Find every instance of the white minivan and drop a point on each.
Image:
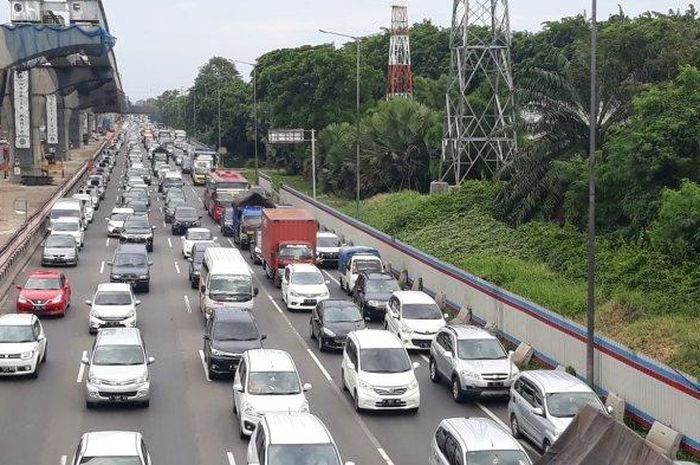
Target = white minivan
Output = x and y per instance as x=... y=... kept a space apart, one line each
x=225 y=281
x=65 y=208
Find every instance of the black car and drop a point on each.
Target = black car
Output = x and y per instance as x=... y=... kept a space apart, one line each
x=332 y=320
x=139 y=206
x=187 y=165
x=171 y=183
x=169 y=209
x=226 y=222
x=137 y=229
x=196 y=260
x=229 y=333
x=372 y=291
x=185 y=217
x=131 y=265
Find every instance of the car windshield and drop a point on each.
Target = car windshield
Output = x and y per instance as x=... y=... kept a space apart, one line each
x=138 y=206
x=342 y=314
x=302 y=454
x=60 y=241
x=112 y=298
x=327 y=242
x=367 y=265
x=118 y=355
x=235 y=331
x=55 y=214
x=382 y=286
x=130 y=259
x=480 y=349
x=273 y=383
x=110 y=461
x=567 y=404
x=40 y=284
x=252 y=222
x=137 y=224
x=118 y=216
x=497 y=457
x=236 y=287
x=198 y=235
x=16 y=334
x=421 y=312
x=295 y=252
x=187 y=213
x=384 y=360
x=70 y=227
x=307 y=277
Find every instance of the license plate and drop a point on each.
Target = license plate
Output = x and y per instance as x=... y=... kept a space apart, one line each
x=117 y=398
x=391 y=402
x=7 y=369
x=495 y=384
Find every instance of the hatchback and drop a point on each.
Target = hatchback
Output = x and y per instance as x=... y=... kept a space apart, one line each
x=332 y=320
x=414 y=317
x=106 y=447
x=372 y=292
x=303 y=286
x=23 y=345
x=44 y=293
x=112 y=305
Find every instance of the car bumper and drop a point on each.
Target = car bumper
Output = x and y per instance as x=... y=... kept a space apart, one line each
x=416 y=342
x=373 y=401
x=374 y=313
x=249 y=422
x=136 y=240
x=100 y=393
x=114 y=232
x=333 y=342
x=136 y=283
x=45 y=261
x=300 y=303
x=97 y=323
x=47 y=309
x=485 y=387
x=224 y=364
x=17 y=366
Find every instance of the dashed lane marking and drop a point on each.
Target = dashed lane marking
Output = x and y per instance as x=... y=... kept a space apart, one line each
x=102 y=267
x=64 y=459
x=170 y=243
x=385 y=456
x=320 y=366
x=229 y=456
x=230 y=242
x=204 y=364
x=332 y=278
x=81 y=368
x=107 y=242
x=177 y=268
x=187 y=305
x=274 y=303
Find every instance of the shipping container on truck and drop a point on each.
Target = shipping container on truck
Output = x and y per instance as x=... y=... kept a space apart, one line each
x=288 y=236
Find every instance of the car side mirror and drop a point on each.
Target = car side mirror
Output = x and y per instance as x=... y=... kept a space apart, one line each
x=256 y=291
x=263 y=337
x=395 y=314
x=215 y=238
x=349 y=463
x=446 y=315
x=307 y=387
x=416 y=365
x=150 y=262
x=153 y=227
x=110 y=263
x=85 y=360
x=202 y=288
x=151 y=360
x=510 y=354
x=41 y=338
x=448 y=354
x=137 y=302
x=328 y=281
x=19 y=288
x=538 y=411
x=88 y=302
x=106 y=218
x=238 y=387
x=609 y=409
x=206 y=337
x=189 y=259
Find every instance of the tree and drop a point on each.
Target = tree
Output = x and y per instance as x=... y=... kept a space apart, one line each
x=676 y=230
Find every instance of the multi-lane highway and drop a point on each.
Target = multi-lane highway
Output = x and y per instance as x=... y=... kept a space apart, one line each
x=190 y=419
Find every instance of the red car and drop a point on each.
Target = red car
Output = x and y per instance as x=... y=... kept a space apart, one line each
x=45 y=293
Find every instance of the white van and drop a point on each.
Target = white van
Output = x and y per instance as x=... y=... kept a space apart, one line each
x=88 y=207
x=225 y=281
x=66 y=208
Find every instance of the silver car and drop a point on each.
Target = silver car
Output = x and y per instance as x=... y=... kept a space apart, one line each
x=108 y=446
x=543 y=404
x=118 y=369
x=474 y=440
x=472 y=361
x=59 y=249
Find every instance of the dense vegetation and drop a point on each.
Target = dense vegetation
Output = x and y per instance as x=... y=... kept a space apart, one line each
x=521 y=229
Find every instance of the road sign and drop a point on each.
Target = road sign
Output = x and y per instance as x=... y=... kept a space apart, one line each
x=285 y=136
x=21 y=101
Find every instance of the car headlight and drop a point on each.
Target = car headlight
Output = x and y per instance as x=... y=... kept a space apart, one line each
x=248 y=409
x=116 y=276
x=22 y=299
x=406 y=329
x=94 y=379
x=294 y=294
x=365 y=385
x=131 y=314
x=470 y=374
x=27 y=355
x=143 y=276
x=56 y=299
x=142 y=379
x=374 y=303
x=217 y=352
x=413 y=385
x=257 y=250
x=328 y=332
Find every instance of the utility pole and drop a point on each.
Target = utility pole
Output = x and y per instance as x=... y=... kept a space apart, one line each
x=400 y=74
x=313 y=162
x=255 y=107
x=590 y=348
x=218 y=97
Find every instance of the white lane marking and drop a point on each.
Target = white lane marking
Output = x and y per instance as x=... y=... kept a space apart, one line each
x=229 y=456
x=177 y=268
x=204 y=364
x=332 y=278
x=320 y=366
x=64 y=459
x=274 y=303
x=230 y=242
x=81 y=369
x=164 y=225
x=102 y=266
x=187 y=305
x=107 y=243
x=385 y=456
x=170 y=244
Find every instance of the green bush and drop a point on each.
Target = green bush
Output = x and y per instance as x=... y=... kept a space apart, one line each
x=676 y=229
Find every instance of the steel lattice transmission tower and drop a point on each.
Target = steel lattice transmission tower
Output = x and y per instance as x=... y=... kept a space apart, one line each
x=400 y=75
x=485 y=134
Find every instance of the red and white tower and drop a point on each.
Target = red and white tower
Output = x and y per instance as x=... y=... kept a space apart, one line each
x=400 y=75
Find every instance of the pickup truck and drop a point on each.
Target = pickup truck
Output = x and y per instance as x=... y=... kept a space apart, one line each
x=353 y=260
x=288 y=236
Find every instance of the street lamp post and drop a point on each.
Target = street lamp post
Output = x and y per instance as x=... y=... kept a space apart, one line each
x=357 y=115
x=255 y=107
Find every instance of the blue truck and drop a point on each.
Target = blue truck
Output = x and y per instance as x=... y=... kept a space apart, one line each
x=243 y=217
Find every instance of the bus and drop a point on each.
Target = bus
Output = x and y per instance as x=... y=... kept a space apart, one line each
x=221 y=187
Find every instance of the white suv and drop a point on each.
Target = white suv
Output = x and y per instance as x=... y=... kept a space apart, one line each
x=104 y=446
x=473 y=361
x=414 y=317
x=378 y=372
x=292 y=438
x=266 y=381
x=113 y=305
x=303 y=286
x=23 y=345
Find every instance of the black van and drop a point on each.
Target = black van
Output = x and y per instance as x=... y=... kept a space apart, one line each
x=131 y=265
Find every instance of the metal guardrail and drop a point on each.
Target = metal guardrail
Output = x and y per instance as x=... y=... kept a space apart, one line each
x=14 y=249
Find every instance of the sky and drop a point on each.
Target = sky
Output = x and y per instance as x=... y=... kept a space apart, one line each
x=162 y=43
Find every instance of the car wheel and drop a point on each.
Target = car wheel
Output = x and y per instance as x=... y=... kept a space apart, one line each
x=35 y=373
x=545 y=446
x=457 y=394
x=311 y=331
x=46 y=352
x=241 y=433
x=89 y=405
x=356 y=402
x=434 y=373
x=342 y=380
x=386 y=326
x=145 y=403
x=321 y=345
x=514 y=427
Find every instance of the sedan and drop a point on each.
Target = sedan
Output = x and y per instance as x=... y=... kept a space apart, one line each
x=185 y=217
x=59 y=249
x=332 y=320
x=193 y=236
x=44 y=293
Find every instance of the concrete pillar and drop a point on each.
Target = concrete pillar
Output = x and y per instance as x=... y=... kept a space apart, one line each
x=43 y=83
x=64 y=116
x=75 y=129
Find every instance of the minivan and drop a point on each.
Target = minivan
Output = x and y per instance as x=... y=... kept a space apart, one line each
x=225 y=281
x=229 y=333
x=130 y=264
x=65 y=207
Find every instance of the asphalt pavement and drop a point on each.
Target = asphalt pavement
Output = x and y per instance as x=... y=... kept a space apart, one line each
x=190 y=419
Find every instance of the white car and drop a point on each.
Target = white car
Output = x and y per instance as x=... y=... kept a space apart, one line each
x=70 y=227
x=125 y=447
x=192 y=236
x=303 y=286
x=378 y=372
x=414 y=317
x=327 y=248
x=113 y=305
x=266 y=381
x=88 y=208
x=115 y=222
x=22 y=344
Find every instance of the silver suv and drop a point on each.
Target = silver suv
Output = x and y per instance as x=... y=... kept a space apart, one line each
x=474 y=441
x=472 y=360
x=118 y=368
x=544 y=402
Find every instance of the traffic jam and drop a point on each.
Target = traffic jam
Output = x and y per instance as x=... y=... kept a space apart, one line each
x=251 y=250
